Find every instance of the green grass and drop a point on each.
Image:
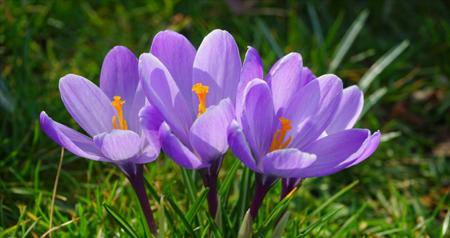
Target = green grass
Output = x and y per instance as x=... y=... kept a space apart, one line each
x=397 y=50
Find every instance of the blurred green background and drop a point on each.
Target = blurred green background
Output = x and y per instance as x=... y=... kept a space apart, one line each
x=398 y=51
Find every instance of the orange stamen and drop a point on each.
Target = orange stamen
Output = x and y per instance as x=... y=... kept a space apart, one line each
x=117 y=104
x=201 y=91
x=278 y=140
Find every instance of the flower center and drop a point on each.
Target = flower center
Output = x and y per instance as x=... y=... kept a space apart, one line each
x=278 y=140
x=117 y=104
x=201 y=91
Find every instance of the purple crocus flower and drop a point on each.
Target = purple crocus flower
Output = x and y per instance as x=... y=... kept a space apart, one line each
x=293 y=125
x=195 y=91
x=110 y=117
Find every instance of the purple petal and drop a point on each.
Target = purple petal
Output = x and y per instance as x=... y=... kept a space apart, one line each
x=307 y=75
x=285 y=80
x=330 y=96
x=287 y=162
x=151 y=120
x=218 y=66
x=251 y=69
x=348 y=111
x=239 y=146
x=371 y=147
x=119 y=145
x=70 y=139
x=177 y=151
x=87 y=104
x=177 y=54
x=209 y=131
x=336 y=152
x=258 y=117
x=304 y=103
x=164 y=94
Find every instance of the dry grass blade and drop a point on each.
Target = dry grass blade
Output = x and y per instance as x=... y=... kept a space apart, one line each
x=55 y=187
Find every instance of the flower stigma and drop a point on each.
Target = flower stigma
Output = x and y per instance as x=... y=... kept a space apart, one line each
x=201 y=91
x=278 y=140
x=117 y=104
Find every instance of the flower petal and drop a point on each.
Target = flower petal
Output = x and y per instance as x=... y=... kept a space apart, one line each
x=239 y=146
x=119 y=145
x=87 y=104
x=70 y=139
x=164 y=94
x=285 y=80
x=251 y=69
x=287 y=162
x=177 y=54
x=371 y=147
x=330 y=96
x=151 y=120
x=258 y=117
x=335 y=152
x=348 y=111
x=307 y=75
x=304 y=103
x=209 y=132
x=177 y=151
x=120 y=77
x=218 y=66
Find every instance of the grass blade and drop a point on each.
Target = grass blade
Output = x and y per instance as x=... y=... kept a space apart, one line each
x=348 y=40
x=381 y=64
x=189 y=183
x=180 y=214
x=272 y=42
x=119 y=219
x=334 y=197
x=372 y=100
x=196 y=206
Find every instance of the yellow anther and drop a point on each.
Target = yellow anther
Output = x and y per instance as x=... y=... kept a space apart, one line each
x=117 y=104
x=278 y=140
x=201 y=91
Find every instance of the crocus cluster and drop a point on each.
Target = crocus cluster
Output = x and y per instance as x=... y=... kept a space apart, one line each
x=195 y=104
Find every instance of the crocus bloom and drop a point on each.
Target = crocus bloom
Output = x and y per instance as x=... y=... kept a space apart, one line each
x=195 y=92
x=293 y=125
x=110 y=117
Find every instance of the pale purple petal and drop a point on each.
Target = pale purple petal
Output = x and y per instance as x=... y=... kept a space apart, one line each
x=285 y=80
x=70 y=139
x=87 y=104
x=335 y=152
x=218 y=66
x=151 y=120
x=138 y=102
x=177 y=54
x=307 y=75
x=330 y=95
x=239 y=146
x=348 y=111
x=164 y=94
x=258 y=117
x=304 y=104
x=371 y=147
x=119 y=145
x=287 y=162
x=251 y=69
x=209 y=132
x=177 y=151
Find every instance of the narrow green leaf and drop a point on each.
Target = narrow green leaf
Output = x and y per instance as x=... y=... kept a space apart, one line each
x=272 y=42
x=347 y=40
x=189 y=183
x=334 y=197
x=162 y=219
x=193 y=210
x=381 y=64
x=279 y=227
x=351 y=220
x=445 y=224
x=119 y=219
x=317 y=28
x=180 y=214
x=373 y=99
x=225 y=186
x=322 y=220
